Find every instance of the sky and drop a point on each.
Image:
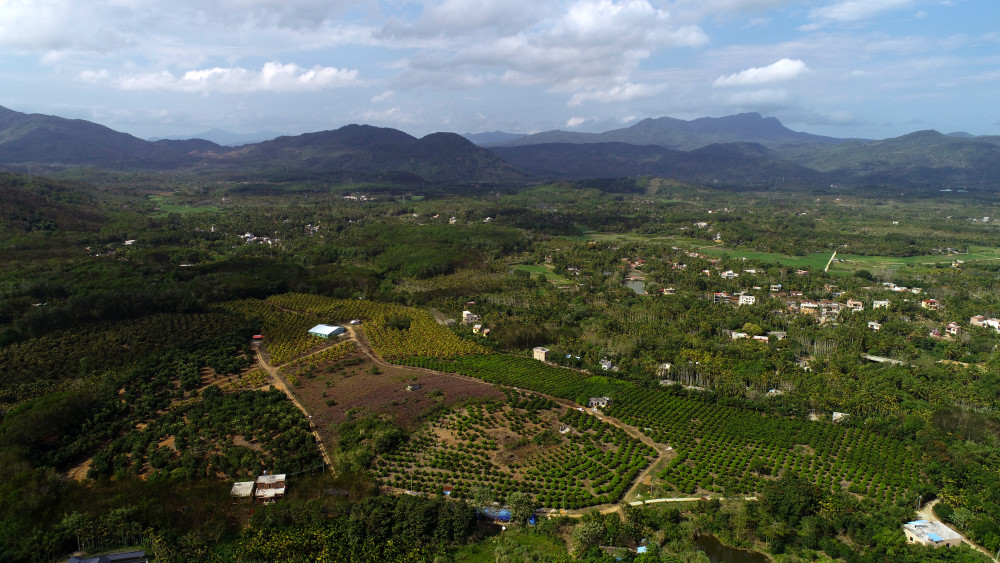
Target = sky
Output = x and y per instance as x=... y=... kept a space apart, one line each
x=846 y=68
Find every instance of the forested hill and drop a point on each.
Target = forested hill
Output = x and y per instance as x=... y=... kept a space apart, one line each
x=732 y=163
x=54 y=141
x=45 y=205
x=364 y=152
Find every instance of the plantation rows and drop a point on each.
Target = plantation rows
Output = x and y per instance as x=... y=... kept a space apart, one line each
x=40 y=365
x=722 y=448
x=719 y=448
x=518 y=446
x=395 y=331
x=203 y=445
x=303 y=367
x=517 y=371
x=286 y=334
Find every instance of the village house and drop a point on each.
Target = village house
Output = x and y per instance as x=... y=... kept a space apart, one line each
x=668 y=291
x=809 y=307
x=476 y=328
x=775 y=287
x=270 y=488
x=598 y=402
x=977 y=320
x=468 y=318
x=876 y=326
x=729 y=275
x=880 y=304
x=606 y=365
x=720 y=297
x=747 y=300
x=953 y=329
x=855 y=306
x=935 y=534
x=540 y=354
x=930 y=304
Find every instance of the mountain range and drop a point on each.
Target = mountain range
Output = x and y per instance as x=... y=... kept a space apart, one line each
x=745 y=149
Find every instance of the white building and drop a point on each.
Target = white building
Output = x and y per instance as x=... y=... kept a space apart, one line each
x=540 y=354
x=747 y=299
x=934 y=534
x=326 y=331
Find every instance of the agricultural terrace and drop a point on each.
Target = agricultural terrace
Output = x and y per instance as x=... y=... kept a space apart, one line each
x=561 y=457
x=719 y=448
x=395 y=331
x=306 y=365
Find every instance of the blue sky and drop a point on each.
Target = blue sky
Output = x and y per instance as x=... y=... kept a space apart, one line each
x=846 y=68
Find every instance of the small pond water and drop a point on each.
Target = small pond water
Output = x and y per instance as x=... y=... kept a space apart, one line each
x=638 y=286
x=718 y=553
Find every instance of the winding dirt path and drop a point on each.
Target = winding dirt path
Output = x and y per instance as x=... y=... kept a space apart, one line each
x=664 y=452
x=281 y=383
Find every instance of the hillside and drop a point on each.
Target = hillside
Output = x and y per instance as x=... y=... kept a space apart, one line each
x=54 y=141
x=363 y=152
x=741 y=163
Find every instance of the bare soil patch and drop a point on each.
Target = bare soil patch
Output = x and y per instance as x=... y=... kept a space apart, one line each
x=338 y=387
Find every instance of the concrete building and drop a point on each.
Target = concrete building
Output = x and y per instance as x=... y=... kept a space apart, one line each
x=540 y=354
x=934 y=534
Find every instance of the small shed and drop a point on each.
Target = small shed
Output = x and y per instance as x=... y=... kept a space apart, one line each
x=540 y=354
x=242 y=489
x=326 y=331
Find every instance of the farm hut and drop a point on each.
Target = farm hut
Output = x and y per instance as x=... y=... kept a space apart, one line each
x=242 y=489
x=326 y=331
x=934 y=534
x=540 y=354
x=598 y=402
x=447 y=490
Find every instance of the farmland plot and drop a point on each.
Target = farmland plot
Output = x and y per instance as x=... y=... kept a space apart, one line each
x=561 y=457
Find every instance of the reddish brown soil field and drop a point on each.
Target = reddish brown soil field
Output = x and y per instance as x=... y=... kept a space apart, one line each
x=355 y=388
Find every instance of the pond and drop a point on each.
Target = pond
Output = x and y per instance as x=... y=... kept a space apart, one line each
x=637 y=283
x=718 y=553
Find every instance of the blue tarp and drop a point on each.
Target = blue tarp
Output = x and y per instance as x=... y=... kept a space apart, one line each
x=934 y=537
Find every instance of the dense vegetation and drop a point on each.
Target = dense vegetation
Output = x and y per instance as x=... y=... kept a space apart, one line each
x=131 y=362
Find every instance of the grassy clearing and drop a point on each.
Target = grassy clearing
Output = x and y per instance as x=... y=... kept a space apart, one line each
x=548 y=271
x=483 y=552
x=162 y=203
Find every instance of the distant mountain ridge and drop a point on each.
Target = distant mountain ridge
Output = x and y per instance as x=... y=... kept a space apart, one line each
x=688 y=135
x=740 y=149
x=223 y=137
x=351 y=153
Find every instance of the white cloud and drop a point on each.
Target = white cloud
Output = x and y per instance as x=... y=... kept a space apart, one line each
x=780 y=71
x=575 y=121
x=621 y=93
x=382 y=97
x=852 y=11
x=273 y=77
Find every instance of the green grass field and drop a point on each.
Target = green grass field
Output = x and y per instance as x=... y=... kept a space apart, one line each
x=548 y=271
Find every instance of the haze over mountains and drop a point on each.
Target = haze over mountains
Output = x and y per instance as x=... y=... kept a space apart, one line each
x=744 y=149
